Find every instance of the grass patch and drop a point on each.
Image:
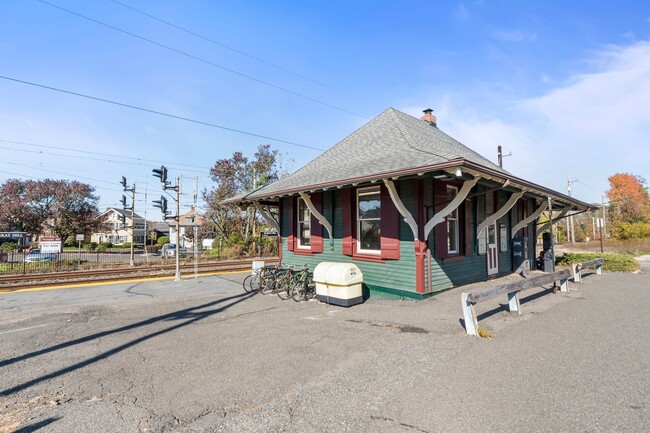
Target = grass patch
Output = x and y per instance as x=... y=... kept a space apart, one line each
x=484 y=333
x=614 y=262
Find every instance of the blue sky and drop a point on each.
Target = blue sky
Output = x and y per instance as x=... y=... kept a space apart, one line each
x=563 y=86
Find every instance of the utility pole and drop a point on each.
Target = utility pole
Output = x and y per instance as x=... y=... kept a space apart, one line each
x=604 y=214
x=501 y=155
x=125 y=207
x=570 y=219
x=162 y=205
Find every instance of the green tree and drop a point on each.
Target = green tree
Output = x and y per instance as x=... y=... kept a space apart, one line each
x=233 y=176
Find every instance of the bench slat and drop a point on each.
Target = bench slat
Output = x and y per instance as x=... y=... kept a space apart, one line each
x=516 y=286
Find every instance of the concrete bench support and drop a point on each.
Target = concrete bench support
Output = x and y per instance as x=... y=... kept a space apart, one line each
x=578 y=267
x=512 y=289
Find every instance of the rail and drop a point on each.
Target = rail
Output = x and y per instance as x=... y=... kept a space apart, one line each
x=16 y=282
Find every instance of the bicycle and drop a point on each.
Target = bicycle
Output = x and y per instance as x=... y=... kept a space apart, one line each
x=261 y=277
x=304 y=287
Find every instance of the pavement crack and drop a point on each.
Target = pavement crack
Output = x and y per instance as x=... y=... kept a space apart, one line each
x=402 y=424
x=130 y=291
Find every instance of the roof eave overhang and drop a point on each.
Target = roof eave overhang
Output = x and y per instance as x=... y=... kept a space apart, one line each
x=470 y=168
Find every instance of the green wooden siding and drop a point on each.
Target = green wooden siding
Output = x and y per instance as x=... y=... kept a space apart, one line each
x=392 y=276
x=396 y=278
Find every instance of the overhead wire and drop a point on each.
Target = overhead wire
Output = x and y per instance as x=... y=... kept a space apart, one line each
x=238 y=51
x=99 y=153
x=160 y=113
x=208 y=62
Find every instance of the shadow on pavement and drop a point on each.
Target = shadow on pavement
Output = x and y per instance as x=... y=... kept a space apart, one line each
x=191 y=314
x=36 y=426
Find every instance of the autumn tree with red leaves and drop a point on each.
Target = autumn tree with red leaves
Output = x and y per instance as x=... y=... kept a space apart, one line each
x=58 y=207
x=628 y=198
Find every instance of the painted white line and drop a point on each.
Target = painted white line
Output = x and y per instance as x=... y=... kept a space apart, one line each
x=23 y=329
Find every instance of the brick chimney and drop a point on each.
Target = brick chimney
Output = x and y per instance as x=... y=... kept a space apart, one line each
x=428 y=117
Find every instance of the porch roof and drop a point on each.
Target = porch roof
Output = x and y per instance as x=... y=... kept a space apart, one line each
x=391 y=145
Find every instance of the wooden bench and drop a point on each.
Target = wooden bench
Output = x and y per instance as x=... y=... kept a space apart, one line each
x=512 y=289
x=578 y=267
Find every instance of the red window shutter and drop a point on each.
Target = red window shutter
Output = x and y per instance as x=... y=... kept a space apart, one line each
x=389 y=226
x=348 y=204
x=467 y=216
x=440 y=231
x=291 y=226
x=316 y=227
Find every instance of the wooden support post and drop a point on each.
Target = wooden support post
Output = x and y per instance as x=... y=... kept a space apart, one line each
x=577 y=275
x=469 y=314
x=513 y=302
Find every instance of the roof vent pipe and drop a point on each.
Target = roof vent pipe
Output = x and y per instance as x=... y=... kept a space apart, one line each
x=428 y=117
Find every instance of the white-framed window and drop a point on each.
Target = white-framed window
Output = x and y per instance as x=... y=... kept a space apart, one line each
x=503 y=238
x=304 y=224
x=369 y=220
x=452 y=222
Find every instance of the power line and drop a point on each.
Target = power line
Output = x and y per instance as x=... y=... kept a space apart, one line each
x=98 y=153
x=243 y=53
x=208 y=62
x=160 y=113
x=40 y=152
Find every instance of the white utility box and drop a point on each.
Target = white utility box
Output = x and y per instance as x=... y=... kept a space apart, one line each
x=257 y=265
x=338 y=283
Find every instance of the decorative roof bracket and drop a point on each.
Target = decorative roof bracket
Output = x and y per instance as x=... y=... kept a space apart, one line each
x=319 y=216
x=546 y=225
x=267 y=217
x=498 y=214
x=408 y=218
x=460 y=197
x=523 y=223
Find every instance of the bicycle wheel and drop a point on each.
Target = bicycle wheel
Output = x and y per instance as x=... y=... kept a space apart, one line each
x=255 y=284
x=283 y=286
x=299 y=292
x=247 y=283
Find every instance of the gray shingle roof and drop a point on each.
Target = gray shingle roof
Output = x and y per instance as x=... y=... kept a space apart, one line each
x=391 y=142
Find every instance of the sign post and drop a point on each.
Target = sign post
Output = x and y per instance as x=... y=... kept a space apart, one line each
x=80 y=238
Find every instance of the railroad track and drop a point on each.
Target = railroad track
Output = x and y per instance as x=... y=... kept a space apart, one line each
x=12 y=283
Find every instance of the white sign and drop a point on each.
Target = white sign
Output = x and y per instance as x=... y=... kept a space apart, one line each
x=80 y=237
x=50 y=244
x=599 y=222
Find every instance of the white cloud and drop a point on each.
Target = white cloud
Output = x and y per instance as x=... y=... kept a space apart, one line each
x=593 y=126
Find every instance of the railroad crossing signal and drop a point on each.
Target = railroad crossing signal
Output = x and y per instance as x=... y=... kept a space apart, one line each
x=123 y=183
x=161 y=173
x=162 y=205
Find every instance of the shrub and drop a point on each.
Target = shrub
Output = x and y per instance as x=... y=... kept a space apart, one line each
x=8 y=246
x=163 y=240
x=90 y=246
x=613 y=262
x=126 y=245
x=624 y=231
x=233 y=252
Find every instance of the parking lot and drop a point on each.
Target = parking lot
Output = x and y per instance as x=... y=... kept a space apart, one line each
x=202 y=356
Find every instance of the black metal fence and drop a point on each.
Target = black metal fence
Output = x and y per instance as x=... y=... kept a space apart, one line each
x=20 y=263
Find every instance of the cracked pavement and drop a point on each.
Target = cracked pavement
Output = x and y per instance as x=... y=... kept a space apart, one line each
x=202 y=356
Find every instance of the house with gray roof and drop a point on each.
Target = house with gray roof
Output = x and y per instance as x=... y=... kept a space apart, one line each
x=416 y=210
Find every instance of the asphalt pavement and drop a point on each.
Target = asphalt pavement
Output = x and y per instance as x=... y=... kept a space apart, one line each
x=202 y=356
